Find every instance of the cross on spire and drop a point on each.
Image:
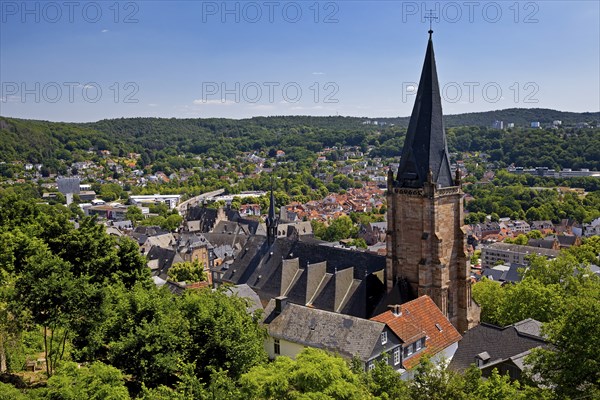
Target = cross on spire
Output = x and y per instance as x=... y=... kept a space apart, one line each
x=430 y=16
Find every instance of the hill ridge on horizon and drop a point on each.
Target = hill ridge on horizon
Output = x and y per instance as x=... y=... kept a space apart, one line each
x=461 y=119
x=58 y=144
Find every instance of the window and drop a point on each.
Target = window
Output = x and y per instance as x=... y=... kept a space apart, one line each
x=397 y=356
x=276 y=346
x=383 y=337
x=420 y=344
x=371 y=366
x=409 y=350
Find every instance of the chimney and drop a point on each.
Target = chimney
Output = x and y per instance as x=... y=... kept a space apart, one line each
x=280 y=304
x=395 y=309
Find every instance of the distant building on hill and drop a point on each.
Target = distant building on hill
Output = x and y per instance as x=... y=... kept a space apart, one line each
x=68 y=185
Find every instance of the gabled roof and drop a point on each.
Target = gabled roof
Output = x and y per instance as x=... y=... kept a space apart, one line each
x=163 y=259
x=501 y=343
x=343 y=334
x=348 y=282
x=244 y=291
x=420 y=318
x=542 y=243
x=530 y=327
x=229 y=227
x=166 y=241
x=516 y=360
x=501 y=273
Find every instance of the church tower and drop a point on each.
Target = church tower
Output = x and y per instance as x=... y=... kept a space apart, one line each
x=272 y=220
x=425 y=240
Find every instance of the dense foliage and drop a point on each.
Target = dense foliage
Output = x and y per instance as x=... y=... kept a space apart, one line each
x=160 y=141
x=506 y=196
x=75 y=293
x=565 y=295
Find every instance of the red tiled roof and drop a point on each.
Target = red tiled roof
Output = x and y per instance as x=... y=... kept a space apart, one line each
x=197 y=285
x=418 y=319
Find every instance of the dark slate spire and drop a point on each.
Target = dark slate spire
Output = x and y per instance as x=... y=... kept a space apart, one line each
x=425 y=150
x=272 y=219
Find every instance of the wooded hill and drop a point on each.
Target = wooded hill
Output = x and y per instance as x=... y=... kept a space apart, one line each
x=58 y=143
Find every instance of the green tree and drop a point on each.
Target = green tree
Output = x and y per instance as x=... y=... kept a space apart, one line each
x=499 y=387
x=436 y=383
x=48 y=290
x=490 y=296
x=386 y=383
x=339 y=228
x=475 y=257
x=222 y=333
x=144 y=334
x=314 y=374
x=520 y=240
x=534 y=234
x=360 y=243
x=98 y=381
x=187 y=272
x=9 y=392
x=134 y=214
x=571 y=366
x=172 y=222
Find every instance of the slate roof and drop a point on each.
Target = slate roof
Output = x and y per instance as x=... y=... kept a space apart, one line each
x=517 y=248
x=246 y=292
x=542 y=243
x=252 y=225
x=166 y=241
x=149 y=231
x=299 y=227
x=501 y=343
x=308 y=273
x=142 y=233
x=566 y=240
x=207 y=217
x=342 y=334
x=191 y=240
x=420 y=318
x=401 y=293
x=231 y=227
x=425 y=148
x=163 y=259
x=503 y=274
x=542 y=225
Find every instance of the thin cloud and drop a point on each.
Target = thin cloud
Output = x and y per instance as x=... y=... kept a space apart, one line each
x=104 y=30
x=261 y=107
x=222 y=102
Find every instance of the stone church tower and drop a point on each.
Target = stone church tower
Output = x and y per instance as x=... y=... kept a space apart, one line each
x=272 y=220
x=425 y=240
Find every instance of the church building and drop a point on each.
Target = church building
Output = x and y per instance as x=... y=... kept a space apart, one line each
x=425 y=241
x=425 y=237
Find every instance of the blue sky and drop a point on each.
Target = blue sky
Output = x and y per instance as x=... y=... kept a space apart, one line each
x=85 y=61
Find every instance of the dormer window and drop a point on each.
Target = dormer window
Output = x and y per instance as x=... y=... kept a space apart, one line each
x=482 y=358
x=384 y=337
